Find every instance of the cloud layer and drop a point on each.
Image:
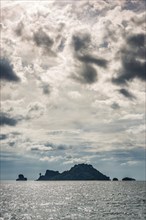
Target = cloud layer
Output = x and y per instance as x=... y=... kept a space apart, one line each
x=73 y=83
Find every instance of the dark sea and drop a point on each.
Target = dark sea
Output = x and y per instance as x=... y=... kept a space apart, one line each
x=78 y=200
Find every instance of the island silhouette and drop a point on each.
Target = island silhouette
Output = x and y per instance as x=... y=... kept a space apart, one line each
x=128 y=179
x=77 y=172
x=115 y=179
x=21 y=178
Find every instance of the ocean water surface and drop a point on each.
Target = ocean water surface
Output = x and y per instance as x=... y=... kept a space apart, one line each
x=77 y=200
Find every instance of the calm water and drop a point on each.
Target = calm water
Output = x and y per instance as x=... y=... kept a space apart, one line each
x=72 y=200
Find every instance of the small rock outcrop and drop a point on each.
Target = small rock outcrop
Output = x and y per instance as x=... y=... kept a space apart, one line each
x=128 y=179
x=21 y=178
x=48 y=175
x=78 y=172
x=115 y=179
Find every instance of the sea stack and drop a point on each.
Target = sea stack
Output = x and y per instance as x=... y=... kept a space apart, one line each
x=21 y=178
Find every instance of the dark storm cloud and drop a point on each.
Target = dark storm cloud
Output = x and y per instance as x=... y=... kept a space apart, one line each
x=7 y=120
x=137 y=44
x=137 y=40
x=3 y=136
x=90 y=59
x=42 y=39
x=134 y=68
x=86 y=75
x=6 y=71
x=127 y=94
x=139 y=52
x=131 y=68
x=80 y=41
x=131 y=55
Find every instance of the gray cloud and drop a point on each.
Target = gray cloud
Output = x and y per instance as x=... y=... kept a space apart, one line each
x=5 y=119
x=61 y=147
x=127 y=94
x=42 y=39
x=41 y=149
x=35 y=107
x=15 y=133
x=129 y=154
x=61 y=45
x=57 y=146
x=136 y=6
x=19 y=29
x=86 y=75
x=50 y=147
x=80 y=41
x=90 y=59
x=6 y=71
x=3 y=136
x=132 y=66
x=35 y=110
x=139 y=20
x=11 y=144
x=137 y=43
x=115 y=105
x=110 y=32
x=35 y=149
x=137 y=52
x=46 y=89
x=136 y=40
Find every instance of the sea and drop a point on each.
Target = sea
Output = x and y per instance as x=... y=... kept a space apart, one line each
x=72 y=200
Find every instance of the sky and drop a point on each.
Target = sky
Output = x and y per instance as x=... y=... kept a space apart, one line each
x=73 y=86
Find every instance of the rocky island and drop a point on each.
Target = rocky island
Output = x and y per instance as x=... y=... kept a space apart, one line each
x=115 y=179
x=21 y=178
x=128 y=179
x=77 y=172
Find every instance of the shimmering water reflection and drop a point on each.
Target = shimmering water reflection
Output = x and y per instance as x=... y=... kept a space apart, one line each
x=77 y=200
